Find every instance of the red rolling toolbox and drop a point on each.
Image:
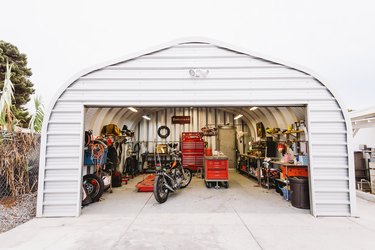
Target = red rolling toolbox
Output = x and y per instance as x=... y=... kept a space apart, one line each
x=216 y=170
x=192 y=150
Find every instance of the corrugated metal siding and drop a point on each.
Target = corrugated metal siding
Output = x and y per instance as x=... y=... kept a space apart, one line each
x=96 y=118
x=162 y=78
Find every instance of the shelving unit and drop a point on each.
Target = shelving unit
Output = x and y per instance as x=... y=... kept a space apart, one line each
x=287 y=165
x=292 y=133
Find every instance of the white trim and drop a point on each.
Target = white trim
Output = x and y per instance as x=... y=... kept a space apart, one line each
x=214 y=104
x=349 y=139
x=311 y=163
x=364 y=112
x=81 y=146
x=42 y=168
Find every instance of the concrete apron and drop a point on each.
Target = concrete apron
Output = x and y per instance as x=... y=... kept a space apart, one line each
x=241 y=217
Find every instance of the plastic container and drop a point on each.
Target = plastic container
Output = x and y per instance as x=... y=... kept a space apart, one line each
x=208 y=152
x=286 y=194
x=299 y=187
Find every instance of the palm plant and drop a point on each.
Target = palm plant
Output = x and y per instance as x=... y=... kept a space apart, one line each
x=7 y=118
x=36 y=120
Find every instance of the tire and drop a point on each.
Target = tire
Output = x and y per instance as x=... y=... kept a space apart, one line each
x=94 y=186
x=87 y=200
x=208 y=184
x=161 y=195
x=189 y=175
x=167 y=133
x=226 y=184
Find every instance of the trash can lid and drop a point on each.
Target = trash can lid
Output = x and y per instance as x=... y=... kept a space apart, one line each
x=299 y=179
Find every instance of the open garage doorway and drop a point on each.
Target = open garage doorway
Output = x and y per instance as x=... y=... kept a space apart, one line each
x=264 y=147
x=198 y=73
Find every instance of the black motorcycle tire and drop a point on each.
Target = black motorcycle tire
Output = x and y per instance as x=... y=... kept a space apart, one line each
x=167 y=133
x=158 y=190
x=94 y=186
x=190 y=175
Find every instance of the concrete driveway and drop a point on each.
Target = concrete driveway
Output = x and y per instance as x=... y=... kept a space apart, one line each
x=241 y=217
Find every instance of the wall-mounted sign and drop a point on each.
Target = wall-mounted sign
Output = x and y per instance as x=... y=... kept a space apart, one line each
x=198 y=73
x=180 y=119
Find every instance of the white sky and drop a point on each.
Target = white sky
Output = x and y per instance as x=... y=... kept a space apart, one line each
x=335 y=38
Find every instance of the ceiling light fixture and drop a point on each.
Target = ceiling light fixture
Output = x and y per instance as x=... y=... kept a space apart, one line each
x=238 y=117
x=253 y=108
x=146 y=117
x=133 y=109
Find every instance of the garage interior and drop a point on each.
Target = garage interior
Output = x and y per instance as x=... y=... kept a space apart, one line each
x=266 y=149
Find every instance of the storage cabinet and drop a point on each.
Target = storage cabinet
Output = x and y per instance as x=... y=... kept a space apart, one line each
x=192 y=150
x=216 y=170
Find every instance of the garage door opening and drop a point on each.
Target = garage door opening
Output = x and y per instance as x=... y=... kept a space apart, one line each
x=255 y=148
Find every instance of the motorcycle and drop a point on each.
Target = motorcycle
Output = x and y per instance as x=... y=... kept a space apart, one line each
x=171 y=177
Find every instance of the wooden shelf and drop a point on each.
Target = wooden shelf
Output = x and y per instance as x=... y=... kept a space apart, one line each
x=294 y=132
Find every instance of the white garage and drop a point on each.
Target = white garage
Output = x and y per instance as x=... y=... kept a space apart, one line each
x=214 y=84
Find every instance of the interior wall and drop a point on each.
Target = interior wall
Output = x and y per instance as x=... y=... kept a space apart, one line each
x=146 y=131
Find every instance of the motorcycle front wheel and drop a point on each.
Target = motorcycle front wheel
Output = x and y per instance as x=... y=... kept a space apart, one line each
x=94 y=186
x=160 y=192
x=188 y=176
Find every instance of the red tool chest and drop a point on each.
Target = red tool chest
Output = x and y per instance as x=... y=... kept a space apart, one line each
x=192 y=150
x=216 y=170
x=295 y=171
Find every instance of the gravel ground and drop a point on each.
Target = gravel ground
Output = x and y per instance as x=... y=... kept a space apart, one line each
x=14 y=212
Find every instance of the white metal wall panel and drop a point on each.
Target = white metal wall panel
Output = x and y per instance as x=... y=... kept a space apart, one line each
x=162 y=78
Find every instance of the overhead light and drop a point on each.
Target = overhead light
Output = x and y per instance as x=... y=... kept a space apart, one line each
x=253 y=108
x=133 y=109
x=238 y=117
x=146 y=117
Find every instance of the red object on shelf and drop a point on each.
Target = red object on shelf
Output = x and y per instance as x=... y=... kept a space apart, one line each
x=295 y=171
x=216 y=169
x=243 y=168
x=147 y=185
x=208 y=152
x=192 y=150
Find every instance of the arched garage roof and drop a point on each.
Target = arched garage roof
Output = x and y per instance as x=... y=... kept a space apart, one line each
x=96 y=118
x=160 y=77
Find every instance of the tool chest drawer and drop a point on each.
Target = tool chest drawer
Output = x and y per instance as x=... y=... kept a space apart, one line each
x=217 y=175
x=216 y=168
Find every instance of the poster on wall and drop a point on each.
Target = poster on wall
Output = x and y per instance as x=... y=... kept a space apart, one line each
x=180 y=119
x=261 y=132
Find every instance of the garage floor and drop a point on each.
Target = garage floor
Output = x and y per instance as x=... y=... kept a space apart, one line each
x=241 y=217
